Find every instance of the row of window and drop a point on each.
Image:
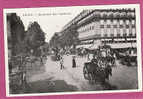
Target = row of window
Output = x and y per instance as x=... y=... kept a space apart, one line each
x=95 y=28
x=117 y=22
x=100 y=13
x=116 y=31
x=108 y=35
x=114 y=35
x=107 y=24
x=116 y=26
x=107 y=14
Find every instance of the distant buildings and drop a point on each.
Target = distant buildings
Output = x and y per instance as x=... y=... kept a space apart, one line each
x=115 y=27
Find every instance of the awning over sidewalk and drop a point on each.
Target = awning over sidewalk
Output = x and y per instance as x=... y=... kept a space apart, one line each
x=113 y=45
x=84 y=46
x=89 y=46
x=122 y=45
x=93 y=47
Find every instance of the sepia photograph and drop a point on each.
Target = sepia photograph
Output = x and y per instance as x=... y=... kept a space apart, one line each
x=72 y=50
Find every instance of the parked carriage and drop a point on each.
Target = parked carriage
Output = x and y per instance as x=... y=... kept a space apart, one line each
x=129 y=57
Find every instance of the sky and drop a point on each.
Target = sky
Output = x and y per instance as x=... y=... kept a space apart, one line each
x=50 y=20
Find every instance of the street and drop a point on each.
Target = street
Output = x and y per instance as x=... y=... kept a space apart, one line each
x=50 y=78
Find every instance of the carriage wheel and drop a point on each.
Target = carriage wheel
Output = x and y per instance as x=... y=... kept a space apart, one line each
x=86 y=73
x=99 y=63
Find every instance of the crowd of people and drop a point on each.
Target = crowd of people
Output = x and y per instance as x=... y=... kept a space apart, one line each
x=101 y=57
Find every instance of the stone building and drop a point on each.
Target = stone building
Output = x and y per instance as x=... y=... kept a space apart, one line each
x=110 y=26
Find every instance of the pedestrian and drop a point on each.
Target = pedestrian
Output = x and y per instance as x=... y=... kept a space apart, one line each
x=108 y=71
x=23 y=79
x=61 y=62
x=41 y=59
x=73 y=62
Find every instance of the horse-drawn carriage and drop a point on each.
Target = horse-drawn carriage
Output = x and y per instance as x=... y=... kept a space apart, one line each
x=128 y=57
x=99 y=68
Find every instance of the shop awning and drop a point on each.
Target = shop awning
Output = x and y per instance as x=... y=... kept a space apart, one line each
x=84 y=46
x=122 y=45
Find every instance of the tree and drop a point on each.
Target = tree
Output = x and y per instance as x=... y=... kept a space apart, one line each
x=66 y=39
x=70 y=37
x=55 y=40
x=35 y=37
x=17 y=33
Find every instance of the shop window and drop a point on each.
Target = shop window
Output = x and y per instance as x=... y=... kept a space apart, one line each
x=105 y=35
x=112 y=35
x=101 y=26
x=130 y=34
x=133 y=26
x=127 y=26
x=118 y=35
x=121 y=26
x=108 y=26
x=115 y=26
x=124 y=34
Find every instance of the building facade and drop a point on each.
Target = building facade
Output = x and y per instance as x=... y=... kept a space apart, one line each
x=111 y=26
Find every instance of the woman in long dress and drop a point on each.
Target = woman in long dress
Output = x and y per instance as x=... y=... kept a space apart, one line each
x=73 y=62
